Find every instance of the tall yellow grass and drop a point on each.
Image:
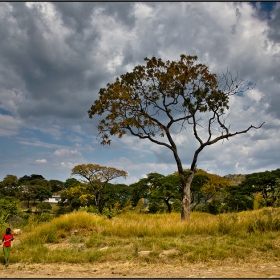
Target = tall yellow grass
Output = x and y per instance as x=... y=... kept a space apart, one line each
x=204 y=237
x=60 y=227
x=158 y=225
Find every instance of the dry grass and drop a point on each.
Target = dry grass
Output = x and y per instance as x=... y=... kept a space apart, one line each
x=84 y=237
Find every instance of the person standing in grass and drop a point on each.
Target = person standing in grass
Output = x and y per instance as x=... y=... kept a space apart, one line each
x=7 y=238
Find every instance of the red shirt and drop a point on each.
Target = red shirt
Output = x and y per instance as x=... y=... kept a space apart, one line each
x=7 y=237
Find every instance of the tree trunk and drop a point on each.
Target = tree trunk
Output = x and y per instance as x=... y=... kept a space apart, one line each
x=186 y=197
x=186 y=183
x=168 y=205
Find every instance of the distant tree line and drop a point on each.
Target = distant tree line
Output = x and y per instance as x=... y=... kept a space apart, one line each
x=156 y=193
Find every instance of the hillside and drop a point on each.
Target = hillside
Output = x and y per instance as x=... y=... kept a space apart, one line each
x=235 y=179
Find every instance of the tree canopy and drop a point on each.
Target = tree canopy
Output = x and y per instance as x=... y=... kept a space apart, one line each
x=158 y=99
x=10 y=186
x=266 y=184
x=98 y=177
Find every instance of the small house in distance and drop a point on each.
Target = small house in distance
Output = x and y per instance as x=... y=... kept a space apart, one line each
x=53 y=199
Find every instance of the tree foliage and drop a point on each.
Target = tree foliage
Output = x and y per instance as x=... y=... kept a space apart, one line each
x=71 y=182
x=10 y=186
x=56 y=186
x=75 y=197
x=34 y=187
x=266 y=183
x=28 y=193
x=113 y=194
x=162 y=190
x=98 y=177
x=158 y=99
x=9 y=208
x=26 y=178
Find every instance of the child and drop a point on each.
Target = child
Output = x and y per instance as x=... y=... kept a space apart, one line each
x=7 y=238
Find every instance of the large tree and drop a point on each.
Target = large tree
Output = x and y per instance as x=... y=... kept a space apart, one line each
x=98 y=177
x=159 y=98
x=34 y=187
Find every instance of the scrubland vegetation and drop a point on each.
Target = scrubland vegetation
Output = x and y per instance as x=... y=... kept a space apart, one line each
x=232 y=219
x=80 y=237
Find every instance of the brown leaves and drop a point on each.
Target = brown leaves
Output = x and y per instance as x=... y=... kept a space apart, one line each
x=144 y=101
x=97 y=173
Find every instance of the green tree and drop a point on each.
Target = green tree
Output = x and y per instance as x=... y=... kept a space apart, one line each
x=265 y=183
x=26 y=178
x=237 y=199
x=160 y=98
x=205 y=186
x=10 y=186
x=28 y=193
x=77 y=196
x=9 y=208
x=34 y=187
x=212 y=186
x=72 y=182
x=98 y=177
x=56 y=186
x=197 y=194
x=113 y=194
x=160 y=191
x=164 y=188
x=43 y=192
x=140 y=190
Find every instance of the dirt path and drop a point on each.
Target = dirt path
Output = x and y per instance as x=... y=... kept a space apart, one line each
x=130 y=270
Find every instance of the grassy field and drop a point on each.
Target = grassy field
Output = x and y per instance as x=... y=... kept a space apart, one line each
x=152 y=238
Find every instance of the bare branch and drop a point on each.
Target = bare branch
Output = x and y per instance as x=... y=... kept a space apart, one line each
x=208 y=143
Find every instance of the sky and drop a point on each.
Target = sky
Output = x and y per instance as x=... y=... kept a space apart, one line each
x=55 y=56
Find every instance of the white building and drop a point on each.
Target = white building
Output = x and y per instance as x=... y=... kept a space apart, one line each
x=53 y=199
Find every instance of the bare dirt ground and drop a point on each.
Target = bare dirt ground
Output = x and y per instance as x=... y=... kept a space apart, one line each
x=130 y=270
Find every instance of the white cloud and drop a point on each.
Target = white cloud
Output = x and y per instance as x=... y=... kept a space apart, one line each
x=68 y=158
x=10 y=100
x=9 y=125
x=140 y=166
x=67 y=165
x=66 y=152
x=41 y=160
x=37 y=143
x=131 y=180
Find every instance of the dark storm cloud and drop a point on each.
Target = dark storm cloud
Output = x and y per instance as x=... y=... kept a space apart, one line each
x=76 y=16
x=52 y=64
x=38 y=62
x=55 y=56
x=122 y=11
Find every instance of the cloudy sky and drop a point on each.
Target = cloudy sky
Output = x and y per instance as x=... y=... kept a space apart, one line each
x=54 y=58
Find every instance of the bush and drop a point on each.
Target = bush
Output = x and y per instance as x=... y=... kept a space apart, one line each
x=45 y=217
x=43 y=206
x=10 y=212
